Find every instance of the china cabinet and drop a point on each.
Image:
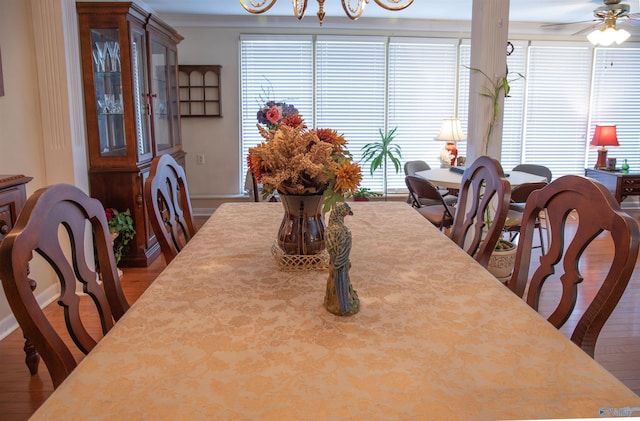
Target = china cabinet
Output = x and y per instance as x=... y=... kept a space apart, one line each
x=129 y=61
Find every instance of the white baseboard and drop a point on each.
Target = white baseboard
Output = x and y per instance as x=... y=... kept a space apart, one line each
x=46 y=297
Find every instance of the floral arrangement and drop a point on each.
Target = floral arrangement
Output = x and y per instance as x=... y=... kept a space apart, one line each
x=273 y=113
x=121 y=229
x=300 y=161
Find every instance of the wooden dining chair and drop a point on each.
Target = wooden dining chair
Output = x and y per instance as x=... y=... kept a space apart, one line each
x=483 y=203
x=438 y=213
x=168 y=205
x=596 y=211
x=54 y=219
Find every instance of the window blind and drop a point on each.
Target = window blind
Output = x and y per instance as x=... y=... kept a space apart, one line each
x=422 y=92
x=558 y=84
x=351 y=92
x=273 y=69
x=616 y=101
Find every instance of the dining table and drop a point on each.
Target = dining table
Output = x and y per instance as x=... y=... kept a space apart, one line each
x=225 y=333
x=451 y=177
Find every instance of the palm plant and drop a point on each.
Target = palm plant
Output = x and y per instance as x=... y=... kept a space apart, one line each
x=379 y=152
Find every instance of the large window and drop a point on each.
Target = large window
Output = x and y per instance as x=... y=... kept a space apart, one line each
x=360 y=85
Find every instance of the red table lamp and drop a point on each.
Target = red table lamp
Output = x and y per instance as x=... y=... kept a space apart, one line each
x=604 y=136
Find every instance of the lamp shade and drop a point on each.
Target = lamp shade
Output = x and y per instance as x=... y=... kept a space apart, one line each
x=451 y=131
x=608 y=36
x=605 y=136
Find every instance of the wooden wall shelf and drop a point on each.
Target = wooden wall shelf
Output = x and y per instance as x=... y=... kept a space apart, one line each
x=200 y=90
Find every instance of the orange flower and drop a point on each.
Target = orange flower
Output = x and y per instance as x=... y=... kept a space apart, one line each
x=255 y=164
x=348 y=176
x=331 y=136
x=294 y=120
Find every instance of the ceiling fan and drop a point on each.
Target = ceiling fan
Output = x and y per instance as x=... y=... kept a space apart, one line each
x=611 y=20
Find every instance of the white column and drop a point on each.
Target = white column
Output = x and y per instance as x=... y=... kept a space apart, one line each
x=489 y=36
x=55 y=29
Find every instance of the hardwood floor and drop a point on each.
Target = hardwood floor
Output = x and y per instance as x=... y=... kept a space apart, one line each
x=617 y=349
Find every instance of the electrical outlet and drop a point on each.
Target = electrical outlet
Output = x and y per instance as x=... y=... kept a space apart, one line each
x=200 y=159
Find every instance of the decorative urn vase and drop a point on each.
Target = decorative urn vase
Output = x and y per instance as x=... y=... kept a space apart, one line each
x=302 y=229
x=502 y=261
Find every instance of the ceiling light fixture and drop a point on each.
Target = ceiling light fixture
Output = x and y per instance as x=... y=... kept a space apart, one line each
x=609 y=34
x=353 y=8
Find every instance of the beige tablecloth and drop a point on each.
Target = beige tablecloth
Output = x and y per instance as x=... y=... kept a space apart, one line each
x=222 y=334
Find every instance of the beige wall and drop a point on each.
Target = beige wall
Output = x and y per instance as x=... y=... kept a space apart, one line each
x=20 y=128
x=41 y=119
x=216 y=138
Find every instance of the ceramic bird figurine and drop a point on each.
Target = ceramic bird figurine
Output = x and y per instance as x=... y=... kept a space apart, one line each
x=340 y=297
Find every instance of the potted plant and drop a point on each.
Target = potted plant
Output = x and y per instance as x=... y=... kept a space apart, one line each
x=121 y=230
x=502 y=260
x=363 y=194
x=380 y=151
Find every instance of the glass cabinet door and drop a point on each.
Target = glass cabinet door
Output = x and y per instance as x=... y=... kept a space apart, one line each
x=174 y=106
x=141 y=104
x=159 y=93
x=108 y=91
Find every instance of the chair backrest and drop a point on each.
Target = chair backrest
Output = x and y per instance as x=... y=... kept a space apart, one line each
x=421 y=188
x=535 y=169
x=597 y=211
x=168 y=205
x=38 y=230
x=521 y=192
x=412 y=167
x=484 y=194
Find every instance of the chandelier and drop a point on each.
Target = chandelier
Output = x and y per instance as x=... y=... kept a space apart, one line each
x=353 y=8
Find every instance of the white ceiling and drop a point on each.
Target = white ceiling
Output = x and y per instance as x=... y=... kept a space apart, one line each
x=549 y=11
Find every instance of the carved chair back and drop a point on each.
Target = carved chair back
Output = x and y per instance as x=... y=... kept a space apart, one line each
x=596 y=211
x=168 y=205
x=53 y=220
x=484 y=196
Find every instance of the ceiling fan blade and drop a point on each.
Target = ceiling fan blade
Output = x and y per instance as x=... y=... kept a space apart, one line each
x=587 y=29
x=546 y=25
x=632 y=19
